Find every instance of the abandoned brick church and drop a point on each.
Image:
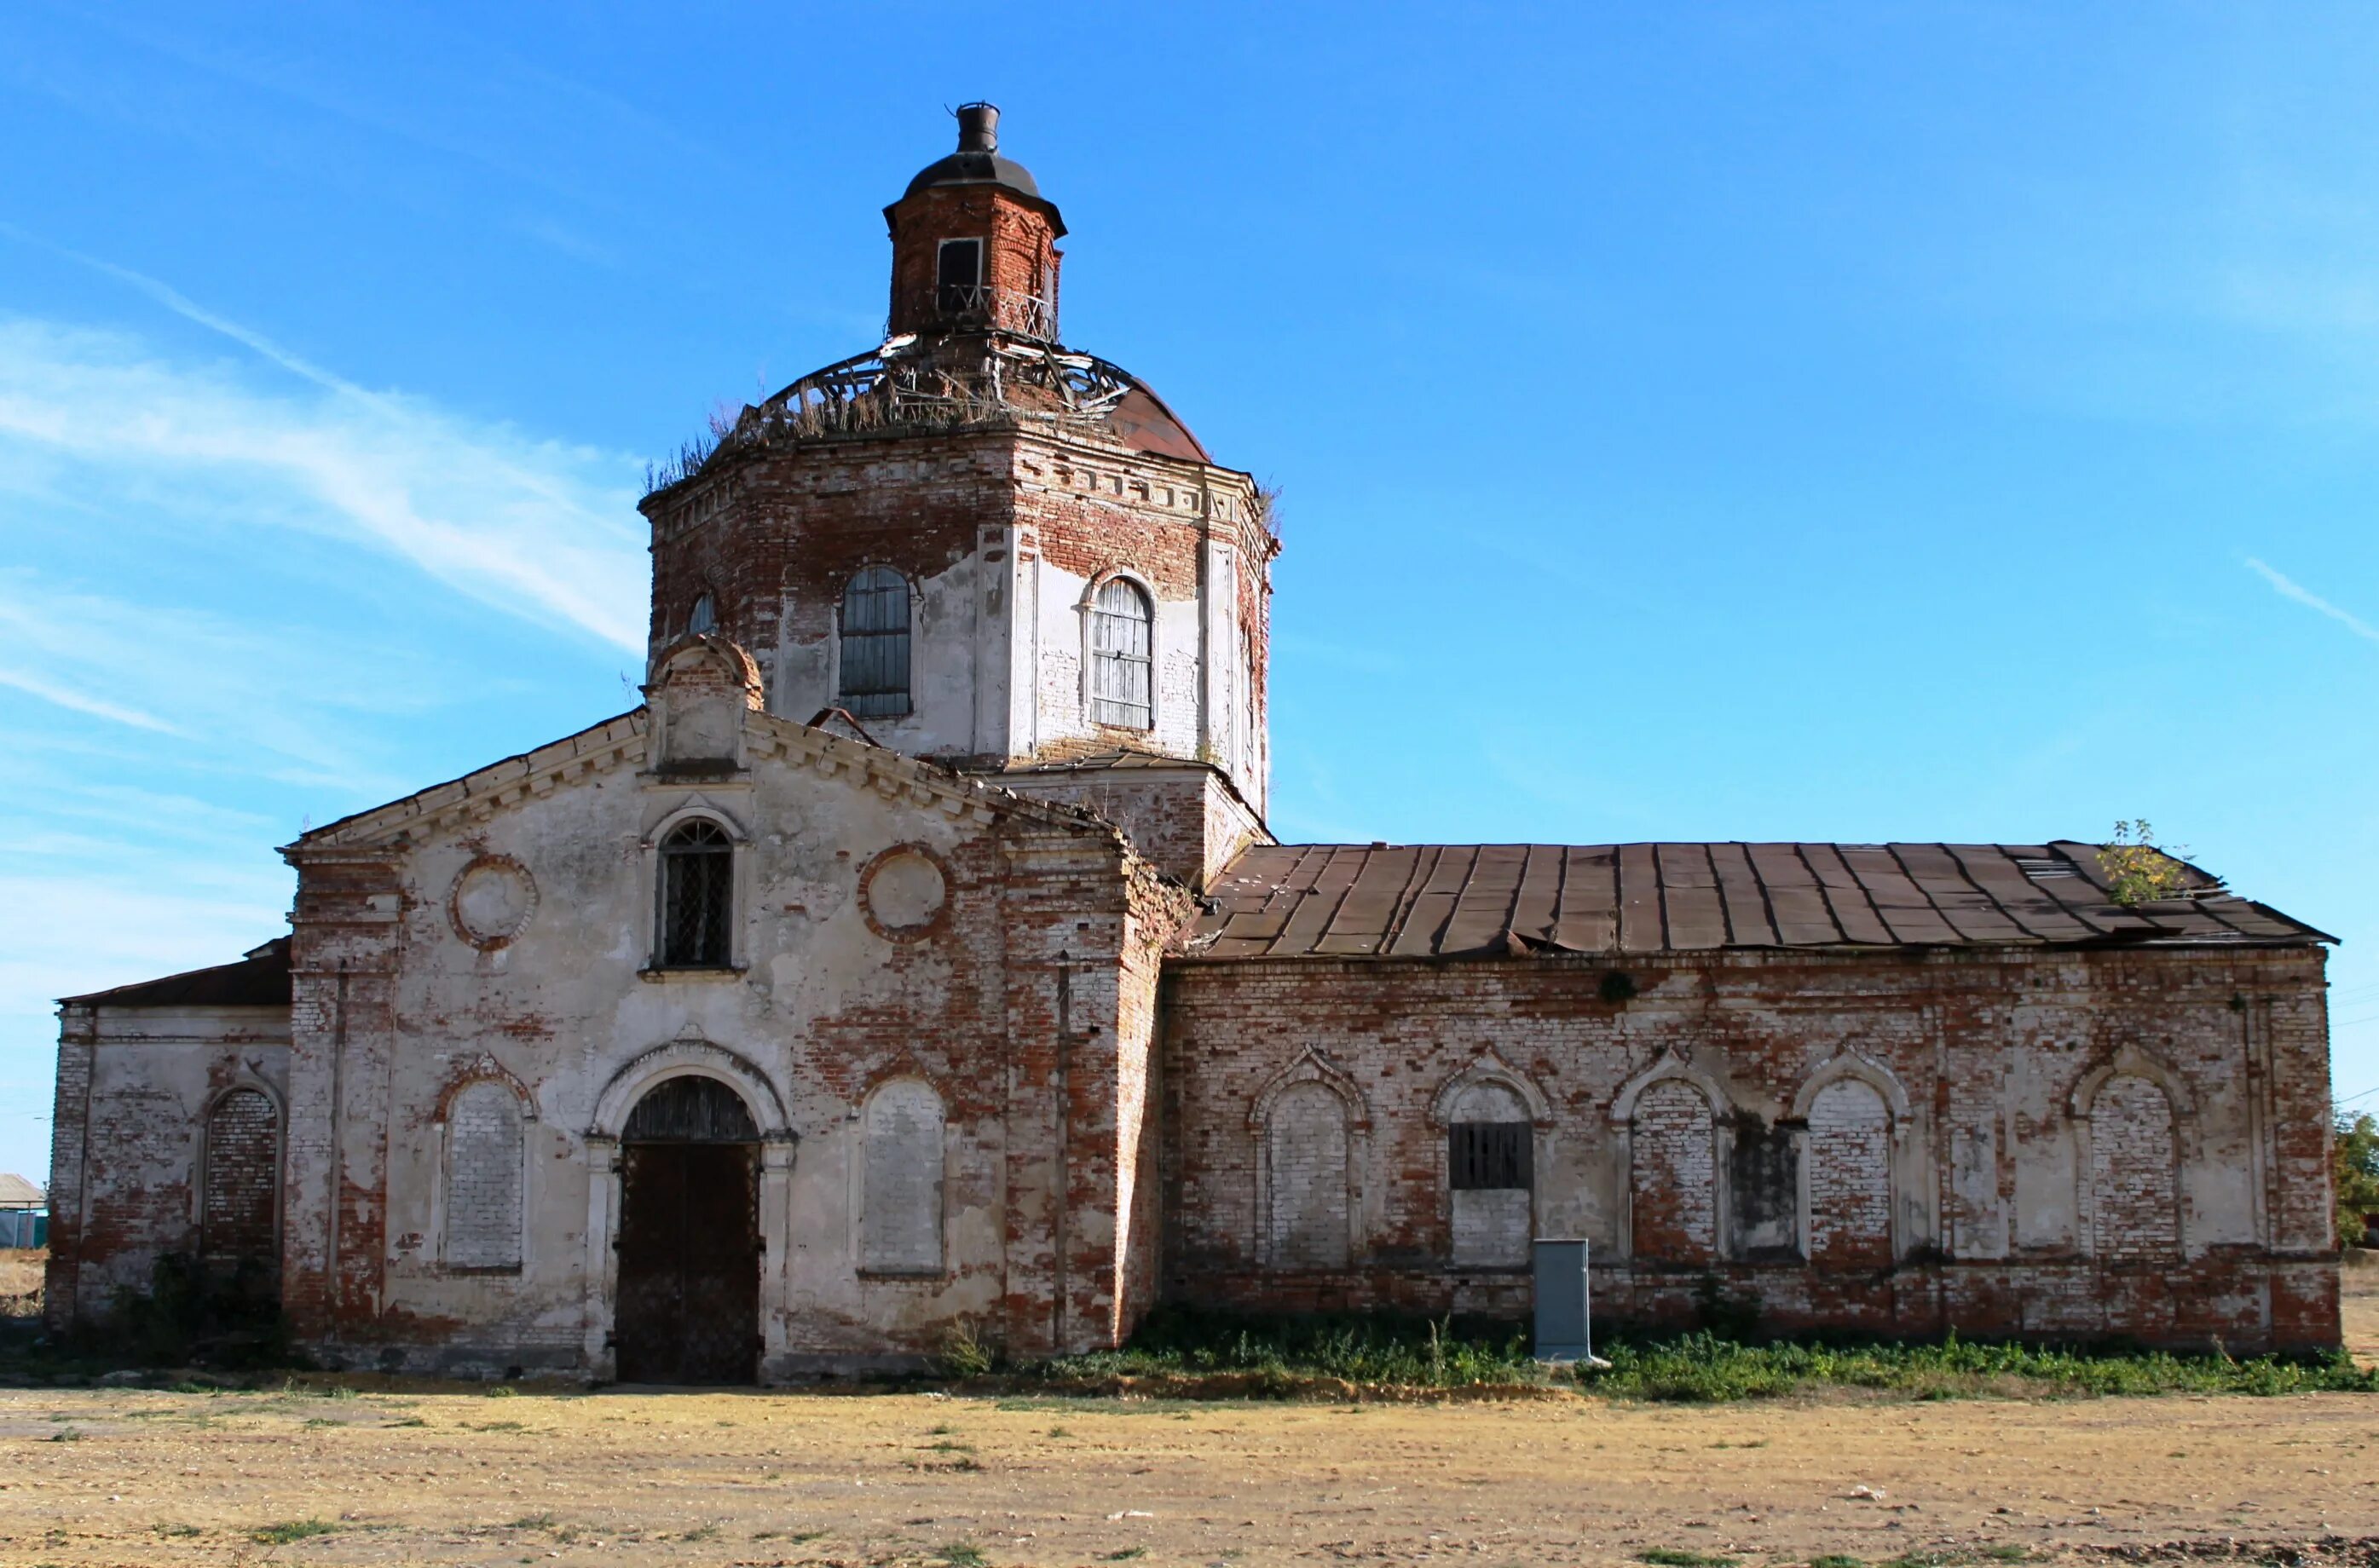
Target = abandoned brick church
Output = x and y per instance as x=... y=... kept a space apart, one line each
x=916 y=956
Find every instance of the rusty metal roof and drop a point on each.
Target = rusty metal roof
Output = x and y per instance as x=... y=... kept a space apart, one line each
x=1489 y=900
x=258 y=980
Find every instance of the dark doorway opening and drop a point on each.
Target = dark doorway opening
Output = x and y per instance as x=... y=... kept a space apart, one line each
x=689 y=1238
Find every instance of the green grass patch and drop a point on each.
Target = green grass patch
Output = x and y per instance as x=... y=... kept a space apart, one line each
x=290 y=1530
x=961 y=1554
x=1674 y=1557
x=1214 y=1354
x=1703 y=1367
x=1837 y=1560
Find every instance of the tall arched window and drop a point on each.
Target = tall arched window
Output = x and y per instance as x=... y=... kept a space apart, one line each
x=1850 y=1176
x=483 y=1179
x=1307 y=1225
x=240 y=1202
x=875 y=643
x=1673 y=1184
x=1121 y=689
x=1491 y=1170
x=901 y=1181
x=2134 y=1193
x=697 y=888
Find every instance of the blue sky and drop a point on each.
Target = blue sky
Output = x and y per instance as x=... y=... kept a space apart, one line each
x=1731 y=421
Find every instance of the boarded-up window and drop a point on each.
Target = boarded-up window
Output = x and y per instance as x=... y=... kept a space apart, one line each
x=1121 y=684
x=901 y=1181
x=2135 y=1212
x=697 y=896
x=1674 y=1213
x=1491 y=1176
x=483 y=1179
x=1304 y=1162
x=1850 y=1177
x=242 y=1187
x=875 y=649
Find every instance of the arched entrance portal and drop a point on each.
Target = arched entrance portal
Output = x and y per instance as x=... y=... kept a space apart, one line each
x=689 y=1236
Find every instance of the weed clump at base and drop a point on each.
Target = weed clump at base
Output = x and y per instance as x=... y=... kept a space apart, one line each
x=1189 y=1351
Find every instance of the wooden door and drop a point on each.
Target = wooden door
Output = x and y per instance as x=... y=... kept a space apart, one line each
x=688 y=1301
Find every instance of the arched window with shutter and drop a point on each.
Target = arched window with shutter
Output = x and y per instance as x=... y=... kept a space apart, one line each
x=1122 y=662
x=875 y=649
x=698 y=898
x=1490 y=1172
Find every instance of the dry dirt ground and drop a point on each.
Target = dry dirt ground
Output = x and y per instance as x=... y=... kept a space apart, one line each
x=416 y=1474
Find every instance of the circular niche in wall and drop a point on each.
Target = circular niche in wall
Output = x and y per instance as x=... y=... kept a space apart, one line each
x=904 y=892
x=492 y=901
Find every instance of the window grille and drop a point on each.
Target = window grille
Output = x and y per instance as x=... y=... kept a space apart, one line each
x=702 y=617
x=957 y=276
x=1488 y=1156
x=875 y=643
x=1120 y=684
x=698 y=895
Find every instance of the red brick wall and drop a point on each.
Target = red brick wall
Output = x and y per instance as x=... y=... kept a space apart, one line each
x=1849 y=1154
x=1988 y=1170
x=1020 y=262
x=2134 y=1187
x=1674 y=1180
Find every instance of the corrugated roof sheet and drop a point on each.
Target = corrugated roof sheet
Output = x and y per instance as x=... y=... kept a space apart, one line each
x=1454 y=901
x=260 y=979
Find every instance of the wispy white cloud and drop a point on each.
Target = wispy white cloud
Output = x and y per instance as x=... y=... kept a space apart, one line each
x=536 y=528
x=2288 y=588
x=84 y=702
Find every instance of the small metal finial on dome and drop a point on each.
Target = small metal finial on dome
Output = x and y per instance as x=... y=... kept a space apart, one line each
x=978 y=128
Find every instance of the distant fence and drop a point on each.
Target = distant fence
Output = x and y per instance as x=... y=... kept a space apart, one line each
x=23 y=1228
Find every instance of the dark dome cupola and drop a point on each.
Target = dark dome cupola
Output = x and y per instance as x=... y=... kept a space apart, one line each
x=974 y=242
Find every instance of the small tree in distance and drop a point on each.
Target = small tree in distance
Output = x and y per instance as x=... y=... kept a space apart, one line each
x=2355 y=1150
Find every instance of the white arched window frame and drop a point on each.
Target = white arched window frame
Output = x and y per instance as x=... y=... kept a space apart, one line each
x=2181 y=1108
x=1672 y=1067
x=1121 y=663
x=874 y=637
x=901 y=1204
x=1311 y=1071
x=1497 y=1139
x=211 y=1156
x=483 y=1201
x=1905 y=1194
x=704 y=617
x=673 y=835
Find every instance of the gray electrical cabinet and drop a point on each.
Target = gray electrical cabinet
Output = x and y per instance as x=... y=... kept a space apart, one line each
x=1565 y=1318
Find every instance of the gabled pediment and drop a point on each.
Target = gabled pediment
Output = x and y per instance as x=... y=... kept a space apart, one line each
x=623 y=745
